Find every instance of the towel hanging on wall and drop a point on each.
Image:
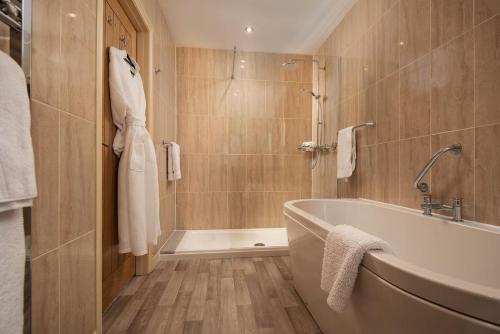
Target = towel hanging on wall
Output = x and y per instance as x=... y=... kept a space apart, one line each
x=17 y=189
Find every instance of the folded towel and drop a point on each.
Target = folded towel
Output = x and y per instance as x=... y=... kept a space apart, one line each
x=17 y=189
x=12 y=257
x=344 y=250
x=346 y=153
x=17 y=166
x=174 y=162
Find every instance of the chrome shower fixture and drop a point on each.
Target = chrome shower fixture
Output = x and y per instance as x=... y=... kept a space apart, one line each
x=294 y=61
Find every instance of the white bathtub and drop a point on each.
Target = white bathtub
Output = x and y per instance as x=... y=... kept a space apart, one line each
x=444 y=277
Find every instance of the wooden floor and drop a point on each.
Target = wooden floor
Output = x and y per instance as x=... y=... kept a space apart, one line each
x=239 y=295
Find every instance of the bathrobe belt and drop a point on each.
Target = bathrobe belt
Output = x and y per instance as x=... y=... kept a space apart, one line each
x=135 y=123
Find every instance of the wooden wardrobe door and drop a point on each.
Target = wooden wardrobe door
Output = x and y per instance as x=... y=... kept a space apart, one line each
x=117 y=269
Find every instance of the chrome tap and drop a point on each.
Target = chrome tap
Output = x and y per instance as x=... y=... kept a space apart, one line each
x=428 y=206
x=455 y=208
x=422 y=186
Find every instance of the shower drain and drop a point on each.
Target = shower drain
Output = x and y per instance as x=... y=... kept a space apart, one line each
x=259 y=244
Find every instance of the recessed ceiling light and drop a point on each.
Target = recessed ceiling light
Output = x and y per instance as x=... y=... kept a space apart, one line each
x=243 y=61
x=72 y=15
x=249 y=29
x=242 y=66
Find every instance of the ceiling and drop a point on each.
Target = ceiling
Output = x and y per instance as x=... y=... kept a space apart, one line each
x=282 y=26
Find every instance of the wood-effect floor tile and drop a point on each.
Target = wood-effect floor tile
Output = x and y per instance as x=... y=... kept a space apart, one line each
x=212 y=296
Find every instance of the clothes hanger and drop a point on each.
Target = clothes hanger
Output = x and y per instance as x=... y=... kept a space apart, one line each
x=129 y=61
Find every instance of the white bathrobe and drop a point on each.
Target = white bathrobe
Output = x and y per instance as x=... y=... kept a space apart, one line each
x=138 y=191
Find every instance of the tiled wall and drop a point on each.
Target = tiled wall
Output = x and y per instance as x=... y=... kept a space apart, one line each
x=63 y=129
x=428 y=72
x=164 y=112
x=239 y=137
x=4 y=38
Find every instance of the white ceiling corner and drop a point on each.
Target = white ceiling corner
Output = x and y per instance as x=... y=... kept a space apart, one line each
x=282 y=26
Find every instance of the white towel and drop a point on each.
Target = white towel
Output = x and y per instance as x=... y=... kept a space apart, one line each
x=174 y=162
x=346 y=153
x=17 y=189
x=344 y=250
x=17 y=167
x=12 y=258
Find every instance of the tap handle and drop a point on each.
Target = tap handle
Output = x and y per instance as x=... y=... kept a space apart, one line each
x=427 y=199
x=456 y=202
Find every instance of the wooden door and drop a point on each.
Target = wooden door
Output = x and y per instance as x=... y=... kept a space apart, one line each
x=117 y=269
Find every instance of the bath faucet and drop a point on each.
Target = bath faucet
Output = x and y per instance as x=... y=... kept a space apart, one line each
x=455 y=208
x=428 y=206
x=422 y=186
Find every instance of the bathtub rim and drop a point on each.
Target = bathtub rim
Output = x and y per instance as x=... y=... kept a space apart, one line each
x=474 y=300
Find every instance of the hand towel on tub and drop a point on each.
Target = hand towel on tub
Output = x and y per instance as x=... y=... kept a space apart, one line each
x=174 y=162
x=17 y=189
x=346 y=153
x=345 y=247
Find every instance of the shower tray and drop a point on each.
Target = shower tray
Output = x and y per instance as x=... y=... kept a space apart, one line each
x=226 y=243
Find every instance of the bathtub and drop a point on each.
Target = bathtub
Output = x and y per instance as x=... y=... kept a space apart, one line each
x=443 y=278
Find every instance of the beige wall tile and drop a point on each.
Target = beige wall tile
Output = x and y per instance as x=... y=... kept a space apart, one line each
x=46 y=45
x=368 y=12
x=237 y=173
x=297 y=131
x=453 y=176
x=414 y=29
x=77 y=206
x=449 y=19
x=292 y=172
x=45 y=214
x=487 y=80
x=348 y=113
x=274 y=169
x=237 y=213
x=237 y=134
x=218 y=172
x=182 y=185
x=194 y=95
x=487 y=164
x=350 y=73
x=193 y=133
x=255 y=173
x=382 y=6
x=256 y=210
x=77 y=265
x=366 y=165
x=415 y=91
x=452 y=82
x=255 y=99
x=81 y=26
x=387 y=166
x=45 y=294
x=367 y=113
x=484 y=9
x=388 y=109
x=219 y=218
x=77 y=87
x=217 y=135
x=414 y=154
x=183 y=211
x=368 y=54
x=199 y=173
x=388 y=43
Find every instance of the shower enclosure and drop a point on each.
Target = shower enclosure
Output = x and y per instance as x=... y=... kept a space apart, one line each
x=241 y=117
